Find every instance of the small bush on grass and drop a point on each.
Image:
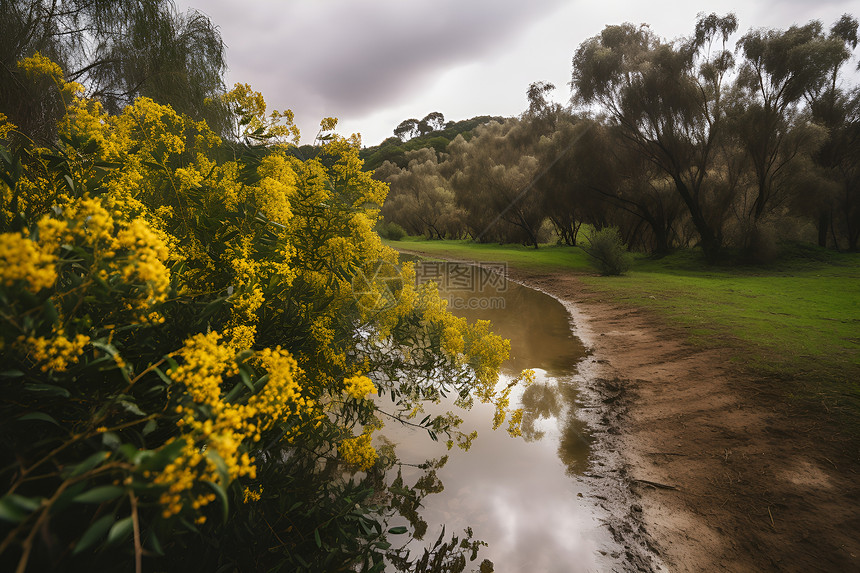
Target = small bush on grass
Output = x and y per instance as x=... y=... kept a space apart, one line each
x=608 y=252
x=391 y=231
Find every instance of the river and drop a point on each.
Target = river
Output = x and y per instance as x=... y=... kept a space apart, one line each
x=525 y=497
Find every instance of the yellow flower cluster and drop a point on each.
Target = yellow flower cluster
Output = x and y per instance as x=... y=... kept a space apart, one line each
x=214 y=442
x=133 y=251
x=39 y=65
x=281 y=395
x=144 y=266
x=24 y=260
x=359 y=387
x=57 y=352
x=6 y=126
x=515 y=425
x=277 y=184
x=249 y=494
x=358 y=451
x=279 y=124
x=157 y=128
x=205 y=363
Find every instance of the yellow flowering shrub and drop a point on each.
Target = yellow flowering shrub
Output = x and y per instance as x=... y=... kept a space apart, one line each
x=197 y=319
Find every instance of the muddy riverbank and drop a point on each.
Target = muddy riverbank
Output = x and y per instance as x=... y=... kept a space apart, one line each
x=709 y=467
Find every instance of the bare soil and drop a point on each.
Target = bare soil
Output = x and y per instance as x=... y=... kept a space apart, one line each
x=726 y=472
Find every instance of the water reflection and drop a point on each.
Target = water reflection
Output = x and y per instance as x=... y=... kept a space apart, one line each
x=536 y=324
x=518 y=494
x=556 y=401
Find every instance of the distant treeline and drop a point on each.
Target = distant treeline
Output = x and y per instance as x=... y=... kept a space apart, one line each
x=677 y=143
x=421 y=134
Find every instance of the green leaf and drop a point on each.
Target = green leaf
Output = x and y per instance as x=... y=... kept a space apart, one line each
x=164 y=456
x=120 y=530
x=100 y=494
x=155 y=543
x=111 y=440
x=47 y=390
x=16 y=508
x=65 y=499
x=163 y=376
x=41 y=416
x=399 y=530
x=89 y=463
x=110 y=349
x=69 y=182
x=222 y=496
x=93 y=533
x=11 y=512
x=11 y=374
x=216 y=459
x=317 y=538
x=149 y=427
x=131 y=453
x=50 y=311
x=132 y=408
x=171 y=362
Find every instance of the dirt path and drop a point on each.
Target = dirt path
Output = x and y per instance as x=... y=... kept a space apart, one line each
x=728 y=475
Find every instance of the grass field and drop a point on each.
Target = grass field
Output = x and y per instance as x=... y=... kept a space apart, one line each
x=796 y=318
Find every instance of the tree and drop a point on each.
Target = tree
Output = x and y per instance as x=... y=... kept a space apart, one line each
x=779 y=69
x=420 y=197
x=831 y=107
x=407 y=129
x=667 y=102
x=494 y=182
x=117 y=50
x=433 y=121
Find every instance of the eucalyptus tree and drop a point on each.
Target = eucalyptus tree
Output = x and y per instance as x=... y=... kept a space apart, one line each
x=848 y=170
x=666 y=101
x=782 y=69
x=431 y=122
x=118 y=49
x=593 y=177
x=420 y=198
x=407 y=129
x=834 y=107
x=493 y=177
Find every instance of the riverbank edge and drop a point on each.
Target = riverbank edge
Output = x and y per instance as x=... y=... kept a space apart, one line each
x=683 y=442
x=604 y=402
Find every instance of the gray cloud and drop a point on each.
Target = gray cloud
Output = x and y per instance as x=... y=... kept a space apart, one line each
x=347 y=57
x=374 y=62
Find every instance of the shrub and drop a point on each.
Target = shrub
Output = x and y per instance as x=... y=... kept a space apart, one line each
x=391 y=231
x=608 y=252
x=188 y=337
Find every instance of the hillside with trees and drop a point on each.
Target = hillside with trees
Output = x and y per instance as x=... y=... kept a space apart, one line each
x=710 y=140
x=412 y=134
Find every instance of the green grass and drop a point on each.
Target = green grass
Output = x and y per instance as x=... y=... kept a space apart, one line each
x=547 y=257
x=797 y=318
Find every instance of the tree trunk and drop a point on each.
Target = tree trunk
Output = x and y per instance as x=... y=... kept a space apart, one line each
x=708 y=238
x=823 y=223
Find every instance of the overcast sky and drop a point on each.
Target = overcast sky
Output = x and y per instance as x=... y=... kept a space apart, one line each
x=374 y=63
